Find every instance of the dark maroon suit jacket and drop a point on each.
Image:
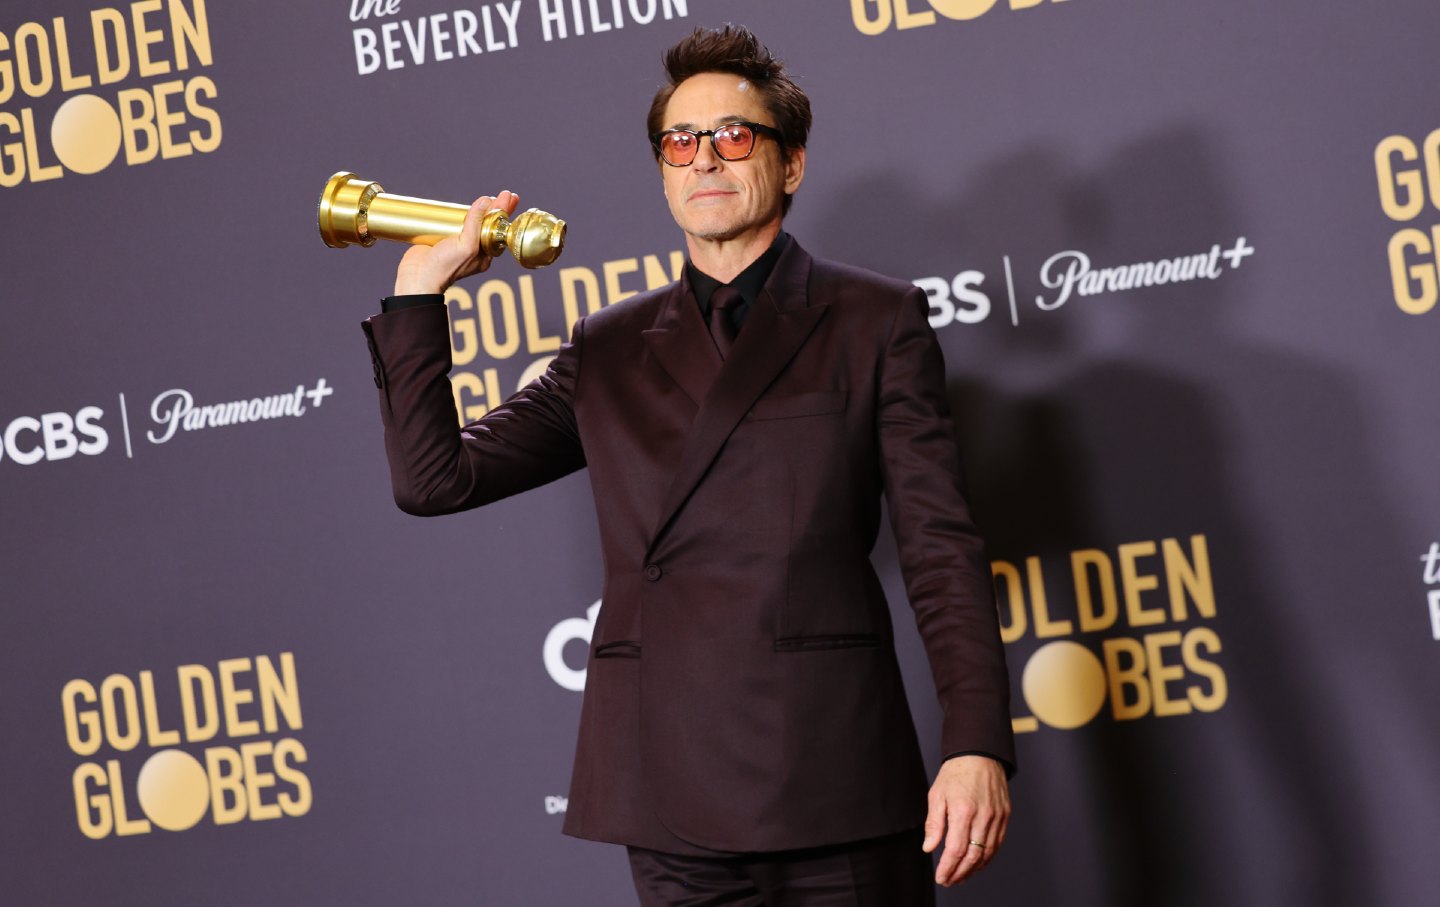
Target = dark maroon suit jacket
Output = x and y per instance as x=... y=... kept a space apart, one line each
x=743 y=691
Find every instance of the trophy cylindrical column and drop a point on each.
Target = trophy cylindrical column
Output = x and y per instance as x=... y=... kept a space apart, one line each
x=414 y=220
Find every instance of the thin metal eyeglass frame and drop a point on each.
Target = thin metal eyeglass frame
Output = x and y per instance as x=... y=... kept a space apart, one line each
x=756 y=128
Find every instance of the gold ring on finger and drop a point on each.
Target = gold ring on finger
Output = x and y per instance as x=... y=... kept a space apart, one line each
x=977 y=843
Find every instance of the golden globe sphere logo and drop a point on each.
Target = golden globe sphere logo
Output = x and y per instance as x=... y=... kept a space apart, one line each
x=875 y=16
x=1151 y=610
x=169 y=118
x=173 y=789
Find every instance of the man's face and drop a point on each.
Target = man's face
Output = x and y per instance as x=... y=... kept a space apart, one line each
x=716 y=199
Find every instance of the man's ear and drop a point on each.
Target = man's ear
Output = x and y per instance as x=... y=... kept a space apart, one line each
x=794 y=170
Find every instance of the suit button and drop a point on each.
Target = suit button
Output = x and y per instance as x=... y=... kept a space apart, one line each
x=653 y=573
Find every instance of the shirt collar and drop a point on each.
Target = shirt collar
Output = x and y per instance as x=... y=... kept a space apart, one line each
x=748 y=282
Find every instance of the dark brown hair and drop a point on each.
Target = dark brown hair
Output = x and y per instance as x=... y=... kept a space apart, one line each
x=735 y=49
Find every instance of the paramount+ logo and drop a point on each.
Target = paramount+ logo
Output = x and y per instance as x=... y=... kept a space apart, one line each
x=1132 y=630
x=243 y=711
x=872 y=17
x=167 y=116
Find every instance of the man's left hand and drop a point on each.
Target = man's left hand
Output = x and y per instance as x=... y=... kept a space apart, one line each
x=972 y=798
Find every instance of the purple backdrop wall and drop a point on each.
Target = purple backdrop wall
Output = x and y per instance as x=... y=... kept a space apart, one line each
x=1182 y=260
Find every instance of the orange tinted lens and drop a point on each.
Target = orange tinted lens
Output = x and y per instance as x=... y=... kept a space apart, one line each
x=679 y=147
x=734 y=142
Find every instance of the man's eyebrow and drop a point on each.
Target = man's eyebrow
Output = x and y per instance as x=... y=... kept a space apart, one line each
x=719 y=121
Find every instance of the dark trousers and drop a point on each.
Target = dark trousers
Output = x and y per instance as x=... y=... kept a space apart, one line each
x=879 y=872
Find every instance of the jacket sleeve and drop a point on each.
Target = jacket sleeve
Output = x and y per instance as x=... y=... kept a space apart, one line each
x=438 y=467
x=942 y=557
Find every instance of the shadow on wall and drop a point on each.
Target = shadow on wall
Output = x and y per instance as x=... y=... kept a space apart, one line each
x=1145 y=415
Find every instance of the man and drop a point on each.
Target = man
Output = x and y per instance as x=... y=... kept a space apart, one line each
x=745 y=730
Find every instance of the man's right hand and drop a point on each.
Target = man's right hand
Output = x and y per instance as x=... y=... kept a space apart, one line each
x=432 y=269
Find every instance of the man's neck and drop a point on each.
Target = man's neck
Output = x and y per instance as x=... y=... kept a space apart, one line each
x=724 y=259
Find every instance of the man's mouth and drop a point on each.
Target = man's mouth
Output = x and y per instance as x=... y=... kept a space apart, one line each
x=703 y=194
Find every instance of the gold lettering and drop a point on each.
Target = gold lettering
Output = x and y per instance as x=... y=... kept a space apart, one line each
x=1134 y=583
x=124 y=825
x=904 y=18
x=256 y=781
x=167 y=119
x=1401 y=272
x=655 y=276
x=227 y=785
x=1081 y=563
x=15 y=174
x=25 y=65
x=232 y=697
x=1390 y=180
x=569 y=279
x=287 y=751
x=1161 y=674
x=113 y=688
x=195 y=33
x=39 y=173
x=456 y=297
x=613 y=270
x=1219 y=688
x=490 y=291
x=133 y=124
x=1130 y=676
x=870 y=25
x=1014 y=596
x=191 y=678
x=92 y=811
x=196 y=87
x=103 y=21
x=154 y=736
x=534 y=342
x=68 y=80
x=82 y=728
x=1044 y=626
x=144 y=37
x=1182 y=576
x=278 y=695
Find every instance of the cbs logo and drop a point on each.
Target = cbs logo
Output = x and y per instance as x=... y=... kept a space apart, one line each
x=54 y=436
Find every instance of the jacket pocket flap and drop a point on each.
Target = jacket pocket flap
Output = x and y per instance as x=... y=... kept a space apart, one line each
x=791 y=406
x=620 y=649
x=834 y=641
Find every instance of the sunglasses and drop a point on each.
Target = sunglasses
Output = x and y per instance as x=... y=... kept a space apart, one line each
x=732 y=142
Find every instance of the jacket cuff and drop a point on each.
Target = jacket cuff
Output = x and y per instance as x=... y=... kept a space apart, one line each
x=396 y=303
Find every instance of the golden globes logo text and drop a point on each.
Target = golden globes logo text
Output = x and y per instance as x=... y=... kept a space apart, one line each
x=1409 y=179
x=873 y=17
x=169 y=116
x=502 y=319
x=1131 y=629
x=239 y=761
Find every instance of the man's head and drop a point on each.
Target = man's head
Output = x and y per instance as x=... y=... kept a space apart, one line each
x=715 y=78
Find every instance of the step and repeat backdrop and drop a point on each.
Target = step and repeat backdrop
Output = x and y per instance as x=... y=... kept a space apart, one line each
x=1183 y=259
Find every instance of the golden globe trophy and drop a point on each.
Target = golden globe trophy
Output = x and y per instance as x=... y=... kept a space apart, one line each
x=358 y=212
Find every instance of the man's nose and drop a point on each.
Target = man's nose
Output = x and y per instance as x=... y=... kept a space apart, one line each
x=706 y=159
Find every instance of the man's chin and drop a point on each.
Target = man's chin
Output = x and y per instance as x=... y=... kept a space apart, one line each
x=714 y=232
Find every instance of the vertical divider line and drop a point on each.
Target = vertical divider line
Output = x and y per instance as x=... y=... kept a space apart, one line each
x=125 y=425
x=1010 y=285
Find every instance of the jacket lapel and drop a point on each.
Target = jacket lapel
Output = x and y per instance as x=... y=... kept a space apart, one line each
x=681 y=343
x=776 y=327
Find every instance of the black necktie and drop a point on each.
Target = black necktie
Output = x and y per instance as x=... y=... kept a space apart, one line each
x=722 y=328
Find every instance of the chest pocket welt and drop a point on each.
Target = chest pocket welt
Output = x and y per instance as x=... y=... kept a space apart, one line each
x=793 y=406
